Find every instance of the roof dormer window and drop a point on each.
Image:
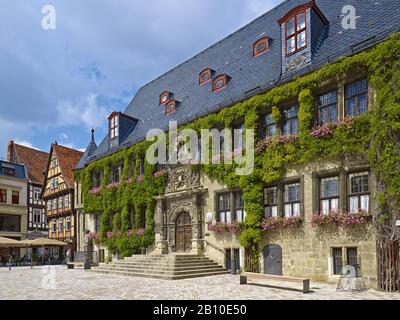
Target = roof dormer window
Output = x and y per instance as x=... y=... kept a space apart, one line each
x=296 y=29
x=165 y=97
x=205 y=75
x=303 y=30
x=219 y=82
x=114 y=125
x=170 y=107
x=260 y=46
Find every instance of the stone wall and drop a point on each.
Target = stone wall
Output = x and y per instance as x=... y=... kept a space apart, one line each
x=306 y=252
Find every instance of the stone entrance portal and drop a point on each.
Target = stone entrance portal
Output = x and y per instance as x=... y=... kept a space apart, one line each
x=183 y=233
x=179 y=214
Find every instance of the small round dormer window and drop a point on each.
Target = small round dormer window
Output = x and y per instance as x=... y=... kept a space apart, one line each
x=261 y=46
x=219 y=84
x=170 y=107
x=165 y=97
x=205 y=76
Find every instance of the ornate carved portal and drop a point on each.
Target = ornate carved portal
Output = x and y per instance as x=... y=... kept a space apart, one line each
x=179 y=214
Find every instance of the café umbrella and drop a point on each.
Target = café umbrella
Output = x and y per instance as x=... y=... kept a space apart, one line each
x=11 y=243
x=44 y=242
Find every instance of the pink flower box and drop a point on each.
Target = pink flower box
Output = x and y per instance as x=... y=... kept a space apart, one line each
x=113 y=185
x=95 y=190
x=160 y=173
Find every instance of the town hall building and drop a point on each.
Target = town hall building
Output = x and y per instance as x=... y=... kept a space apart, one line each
x=274 y=76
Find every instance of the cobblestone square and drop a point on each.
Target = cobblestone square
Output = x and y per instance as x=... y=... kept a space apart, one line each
x=59 y=283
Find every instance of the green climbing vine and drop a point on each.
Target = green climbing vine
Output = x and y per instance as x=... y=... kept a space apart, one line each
x=374 y=135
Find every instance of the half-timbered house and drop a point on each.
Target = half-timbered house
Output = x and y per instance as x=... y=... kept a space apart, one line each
x=36 y=161
x=58 y=194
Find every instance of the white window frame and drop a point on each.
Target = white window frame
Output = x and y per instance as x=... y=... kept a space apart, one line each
x=37 y=213
x=36 y=193
x=66 y=201
x=114 y=127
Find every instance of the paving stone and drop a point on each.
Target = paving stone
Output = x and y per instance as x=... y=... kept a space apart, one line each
x=60 y=284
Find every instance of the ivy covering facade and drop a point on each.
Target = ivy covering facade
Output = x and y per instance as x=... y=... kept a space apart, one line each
x=375 y=135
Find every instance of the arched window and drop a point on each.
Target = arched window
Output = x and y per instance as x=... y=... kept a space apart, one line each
x=205 y=75
x=219 y=82
x=260 y=46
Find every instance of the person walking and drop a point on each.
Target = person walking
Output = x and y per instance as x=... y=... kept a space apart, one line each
x=69 y=255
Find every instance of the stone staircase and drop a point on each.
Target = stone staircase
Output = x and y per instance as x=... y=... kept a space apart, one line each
x=170 y=267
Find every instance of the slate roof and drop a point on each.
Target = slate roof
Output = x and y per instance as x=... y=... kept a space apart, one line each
x=249 y=76
x=68 y=159
x=35 y=160
x=90 y=149
x=20 y=170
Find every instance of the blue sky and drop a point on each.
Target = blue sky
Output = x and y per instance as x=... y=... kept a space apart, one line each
x=57 y=84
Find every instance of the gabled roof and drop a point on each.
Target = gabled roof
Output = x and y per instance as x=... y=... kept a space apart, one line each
x=68 y=159
x=249 y=75
x=34 y=159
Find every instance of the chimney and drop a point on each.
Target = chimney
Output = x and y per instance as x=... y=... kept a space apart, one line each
x=10 y=151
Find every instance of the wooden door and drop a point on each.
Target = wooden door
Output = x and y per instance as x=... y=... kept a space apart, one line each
x=273 y=260
x=183 y=232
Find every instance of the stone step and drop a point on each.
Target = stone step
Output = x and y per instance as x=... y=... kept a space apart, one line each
x=194 y=264
x=173 y=266
x=162 y=272
x=179 y=259
x=160 y=276
x=148 y=264
x=157 y=269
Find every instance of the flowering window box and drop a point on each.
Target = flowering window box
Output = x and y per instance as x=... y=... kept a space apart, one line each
x=95 y=190
x=276 y=140
x=226 y=228
x=337 y=218
x=113 y=185
x=273 y=223
x=323 y=131
x=160 y=173
x=355 y=218
x=110 y=234
x=318 y=219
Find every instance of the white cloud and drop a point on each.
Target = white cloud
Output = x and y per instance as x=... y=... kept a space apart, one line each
x=63 y=136
x=93 y=115
x=90 y=114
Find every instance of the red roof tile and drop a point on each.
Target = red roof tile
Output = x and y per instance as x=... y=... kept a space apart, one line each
x=34 y=159
x=68 y=159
